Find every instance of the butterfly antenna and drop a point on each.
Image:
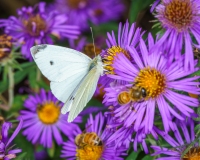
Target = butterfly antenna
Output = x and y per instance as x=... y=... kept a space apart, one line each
x=93 y=41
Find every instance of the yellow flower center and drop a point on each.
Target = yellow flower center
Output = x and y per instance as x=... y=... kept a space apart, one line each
x=48 y=113
x=193 y=154
x=109 y=58
x=89 y=152
x=179 y=13
x=152 y=81
x=35 y=24
x=75 y=4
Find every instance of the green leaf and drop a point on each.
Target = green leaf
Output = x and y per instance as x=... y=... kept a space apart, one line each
x=39 y=148
x=3 y=86
x=19 y=75
x=25 y=145
x=51 y=151
x=132 y=156
x=136 y=7
x=57 y=152
x=197 y=119
x=44 y=85
x=94 y=102
x=21 y=156
x=148 y=157
x=197 y=127
x=32 y=78
x=18 y=103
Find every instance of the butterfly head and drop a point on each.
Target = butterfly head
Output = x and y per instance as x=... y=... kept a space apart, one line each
x=97 y=62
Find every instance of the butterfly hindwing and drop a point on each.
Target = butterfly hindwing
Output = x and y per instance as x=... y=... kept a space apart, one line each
x=62 y=90
x=83 y=94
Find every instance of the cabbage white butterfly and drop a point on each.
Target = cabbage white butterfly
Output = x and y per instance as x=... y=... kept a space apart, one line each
x=73 y=75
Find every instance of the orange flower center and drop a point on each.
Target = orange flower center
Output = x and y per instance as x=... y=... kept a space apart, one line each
x=75 y=4
x=35 y=24
x=48 y=113
x=193 y=154
x=89 y=50
x=5 y=46
x=98 y=12
x=179 y=13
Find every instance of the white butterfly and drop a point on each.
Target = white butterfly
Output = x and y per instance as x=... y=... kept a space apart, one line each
x=73 y=75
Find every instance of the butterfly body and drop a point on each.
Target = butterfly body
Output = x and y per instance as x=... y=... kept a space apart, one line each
x=73 y=75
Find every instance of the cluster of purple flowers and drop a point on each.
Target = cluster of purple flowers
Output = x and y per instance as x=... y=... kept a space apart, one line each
x=147 y=80
x=97 y=11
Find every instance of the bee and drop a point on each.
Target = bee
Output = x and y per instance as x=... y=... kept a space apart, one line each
x=88 y=138
x=135 y=94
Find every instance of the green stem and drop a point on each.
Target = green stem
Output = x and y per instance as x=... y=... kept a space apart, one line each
x=11 y=86
x=4 y=103
x=38 y=78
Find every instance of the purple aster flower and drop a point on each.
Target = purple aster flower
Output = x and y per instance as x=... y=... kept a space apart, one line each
x=184 y=134
x=43 y=121
x=154 y=5
x=123 y=135
x=77 y=10
x=97 y=11
x=6 y=152
x=126 y=37
x=102 y=12
x=180 y=20
x=95 y=127
x=155 y=84
x=36 y=25
x=78 y=44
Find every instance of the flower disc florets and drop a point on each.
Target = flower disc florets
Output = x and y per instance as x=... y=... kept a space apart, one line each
x=192 y=154
x=5 y=46
x=179 y=13
x=35 y=25
x=152 y=81
x=110 y=57
x=48 y=113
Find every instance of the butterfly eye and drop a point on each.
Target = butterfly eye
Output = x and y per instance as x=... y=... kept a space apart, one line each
x=51 y=62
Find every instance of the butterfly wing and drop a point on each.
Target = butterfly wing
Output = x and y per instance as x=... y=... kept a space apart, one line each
x=82 y=94
x=59 y=63
x=64 y=67
x=62 y=90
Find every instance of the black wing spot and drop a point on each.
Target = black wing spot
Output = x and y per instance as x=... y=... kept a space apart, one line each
x=51 y=63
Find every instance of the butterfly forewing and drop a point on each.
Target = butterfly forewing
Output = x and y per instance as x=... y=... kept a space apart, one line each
x=59 y=63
